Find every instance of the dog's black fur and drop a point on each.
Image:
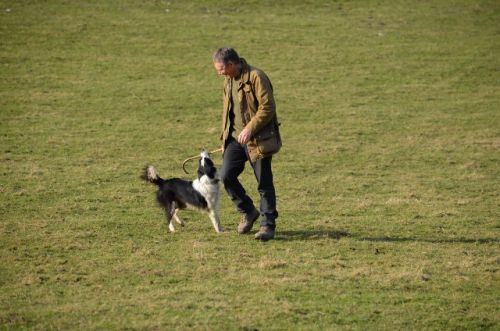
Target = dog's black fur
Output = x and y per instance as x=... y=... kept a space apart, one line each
x=176 y=194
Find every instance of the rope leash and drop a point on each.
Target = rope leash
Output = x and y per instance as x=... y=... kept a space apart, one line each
x=197 y=157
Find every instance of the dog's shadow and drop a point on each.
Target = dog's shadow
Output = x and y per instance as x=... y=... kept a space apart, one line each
x=311 y=235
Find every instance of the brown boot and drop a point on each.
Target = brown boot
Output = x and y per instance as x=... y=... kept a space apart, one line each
x=265 y=233
x=247 y=220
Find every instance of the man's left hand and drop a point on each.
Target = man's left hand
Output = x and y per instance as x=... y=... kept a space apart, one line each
x=244 y=136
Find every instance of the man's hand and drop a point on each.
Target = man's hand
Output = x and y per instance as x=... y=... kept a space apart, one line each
x=244 y=136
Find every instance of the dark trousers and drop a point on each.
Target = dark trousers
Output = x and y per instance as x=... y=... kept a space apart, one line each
x=234 y=159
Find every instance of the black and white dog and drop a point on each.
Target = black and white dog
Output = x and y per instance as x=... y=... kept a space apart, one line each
x=201 y=194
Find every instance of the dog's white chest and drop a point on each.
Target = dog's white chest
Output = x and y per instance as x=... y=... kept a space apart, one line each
x=209 y=190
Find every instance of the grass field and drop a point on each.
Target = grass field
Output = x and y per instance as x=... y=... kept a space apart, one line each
x=388 y=181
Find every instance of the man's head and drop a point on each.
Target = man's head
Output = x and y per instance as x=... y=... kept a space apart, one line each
x=227 y=62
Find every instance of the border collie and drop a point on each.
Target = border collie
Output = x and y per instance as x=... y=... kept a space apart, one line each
x=201 y=194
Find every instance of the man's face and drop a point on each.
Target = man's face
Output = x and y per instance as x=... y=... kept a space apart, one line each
x=229 y=69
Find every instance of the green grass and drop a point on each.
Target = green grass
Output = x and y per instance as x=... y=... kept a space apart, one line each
x=387 y=183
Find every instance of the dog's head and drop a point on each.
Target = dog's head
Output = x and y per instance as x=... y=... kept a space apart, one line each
x=206 y=167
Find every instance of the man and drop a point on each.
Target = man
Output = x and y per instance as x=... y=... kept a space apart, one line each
x=250 y=133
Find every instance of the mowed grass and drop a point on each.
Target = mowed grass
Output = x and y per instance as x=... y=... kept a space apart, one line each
x=388 y=181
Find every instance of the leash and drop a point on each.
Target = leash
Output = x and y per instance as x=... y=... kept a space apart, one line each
x=197 y=157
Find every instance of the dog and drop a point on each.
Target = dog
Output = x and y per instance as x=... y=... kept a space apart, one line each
x=201 y=194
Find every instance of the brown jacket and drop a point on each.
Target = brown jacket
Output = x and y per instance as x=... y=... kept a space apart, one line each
x=255 y=94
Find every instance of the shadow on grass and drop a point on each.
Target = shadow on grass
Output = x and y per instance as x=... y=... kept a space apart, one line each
x=333 y=234
x=310 y=235
x=432 y=241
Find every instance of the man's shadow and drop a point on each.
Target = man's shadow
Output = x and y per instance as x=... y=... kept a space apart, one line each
x=444 y=240
x=311 y=235
x=339 y=234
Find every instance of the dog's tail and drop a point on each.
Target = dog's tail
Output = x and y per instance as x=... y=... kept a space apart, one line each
x=150 y=174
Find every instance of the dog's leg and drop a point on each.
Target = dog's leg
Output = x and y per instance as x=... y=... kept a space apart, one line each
x=175 y=208
x=169 y=211
x=214 y=217
x=177 y=218
x=169 y=222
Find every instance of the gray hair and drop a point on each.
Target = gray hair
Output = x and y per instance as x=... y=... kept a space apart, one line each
x=225 y=55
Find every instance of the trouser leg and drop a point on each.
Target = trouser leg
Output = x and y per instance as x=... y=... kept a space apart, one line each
x=233 y=164
x=264 y=175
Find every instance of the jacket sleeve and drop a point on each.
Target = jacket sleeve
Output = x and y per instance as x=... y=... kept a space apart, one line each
x=266 y=106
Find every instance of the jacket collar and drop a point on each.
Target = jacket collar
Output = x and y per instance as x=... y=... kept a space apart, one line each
x=245 y=73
